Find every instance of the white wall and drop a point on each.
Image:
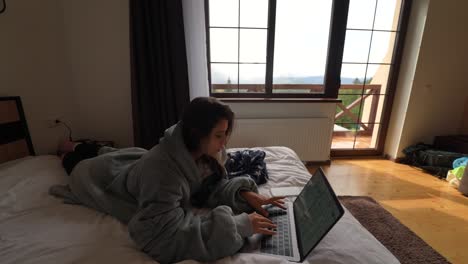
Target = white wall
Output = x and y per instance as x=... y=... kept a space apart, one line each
x=32 y=65
x=440 y=84
x=69 y=59
x=436 y=96
x=97 y=36
x=406 y=76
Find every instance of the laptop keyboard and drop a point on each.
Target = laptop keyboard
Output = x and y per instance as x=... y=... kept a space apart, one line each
x=281 y=243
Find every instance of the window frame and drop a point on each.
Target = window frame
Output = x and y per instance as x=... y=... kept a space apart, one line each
x=336 y=41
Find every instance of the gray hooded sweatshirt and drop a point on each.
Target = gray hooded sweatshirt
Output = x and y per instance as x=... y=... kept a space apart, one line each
x=154 y=191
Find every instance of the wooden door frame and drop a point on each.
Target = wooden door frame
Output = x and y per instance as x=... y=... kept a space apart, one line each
x=392 y=83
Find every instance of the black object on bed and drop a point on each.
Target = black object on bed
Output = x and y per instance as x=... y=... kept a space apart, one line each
x=247 y=163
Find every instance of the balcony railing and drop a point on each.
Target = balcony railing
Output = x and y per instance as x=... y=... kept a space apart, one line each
x=370 y=90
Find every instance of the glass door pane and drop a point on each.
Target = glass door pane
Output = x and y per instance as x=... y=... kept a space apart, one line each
x=301 y=45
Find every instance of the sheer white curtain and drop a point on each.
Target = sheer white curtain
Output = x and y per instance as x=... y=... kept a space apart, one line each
x=195 y=43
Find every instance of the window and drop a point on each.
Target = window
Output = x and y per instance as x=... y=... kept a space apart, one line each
x=275 y=48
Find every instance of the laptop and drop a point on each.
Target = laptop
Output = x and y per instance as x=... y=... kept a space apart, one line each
x=302 y=225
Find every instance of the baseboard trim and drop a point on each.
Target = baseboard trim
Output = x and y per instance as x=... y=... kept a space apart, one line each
x=358 y=157
x=317 y=163
x=396 y=160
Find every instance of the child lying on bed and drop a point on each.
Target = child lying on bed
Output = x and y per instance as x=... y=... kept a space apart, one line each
x=154 y=191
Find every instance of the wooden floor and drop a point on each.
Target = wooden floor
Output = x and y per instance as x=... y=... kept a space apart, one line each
x=431 y=208
x=349 y=141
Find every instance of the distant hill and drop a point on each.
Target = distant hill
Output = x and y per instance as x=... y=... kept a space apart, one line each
x=299 y=80
x=286 y=80
x=308 y=80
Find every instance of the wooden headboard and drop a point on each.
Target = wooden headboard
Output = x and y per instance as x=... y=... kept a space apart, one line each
x=15 y=141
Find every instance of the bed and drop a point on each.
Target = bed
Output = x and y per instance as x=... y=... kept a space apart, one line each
x=38 y=228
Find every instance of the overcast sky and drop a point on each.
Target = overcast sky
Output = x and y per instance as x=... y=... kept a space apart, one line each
x=301 y=38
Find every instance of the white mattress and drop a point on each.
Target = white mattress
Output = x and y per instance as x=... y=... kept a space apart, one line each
x=38 y=228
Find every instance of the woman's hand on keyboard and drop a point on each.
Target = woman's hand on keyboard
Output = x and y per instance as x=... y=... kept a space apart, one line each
x=261 y=224
x=256 y=201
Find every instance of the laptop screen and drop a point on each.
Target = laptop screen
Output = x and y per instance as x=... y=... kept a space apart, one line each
x=316 y=211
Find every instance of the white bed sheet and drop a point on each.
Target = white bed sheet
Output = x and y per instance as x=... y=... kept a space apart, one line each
x=38 y=228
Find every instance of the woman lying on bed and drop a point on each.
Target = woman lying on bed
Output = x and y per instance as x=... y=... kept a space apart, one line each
x=154 y=191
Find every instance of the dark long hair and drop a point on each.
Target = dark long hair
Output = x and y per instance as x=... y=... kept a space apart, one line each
x=200 y=117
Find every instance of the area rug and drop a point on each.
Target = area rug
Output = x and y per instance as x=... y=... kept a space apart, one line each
x=396 y=237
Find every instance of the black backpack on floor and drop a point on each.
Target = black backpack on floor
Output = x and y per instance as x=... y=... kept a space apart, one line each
x=433 y=161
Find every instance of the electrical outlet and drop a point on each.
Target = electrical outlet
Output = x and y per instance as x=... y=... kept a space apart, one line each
x=52 y=122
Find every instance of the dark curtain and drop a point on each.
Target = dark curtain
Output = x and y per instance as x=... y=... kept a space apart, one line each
x=160 y=88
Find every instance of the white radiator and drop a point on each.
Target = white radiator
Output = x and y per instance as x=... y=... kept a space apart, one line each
x=310 y=138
